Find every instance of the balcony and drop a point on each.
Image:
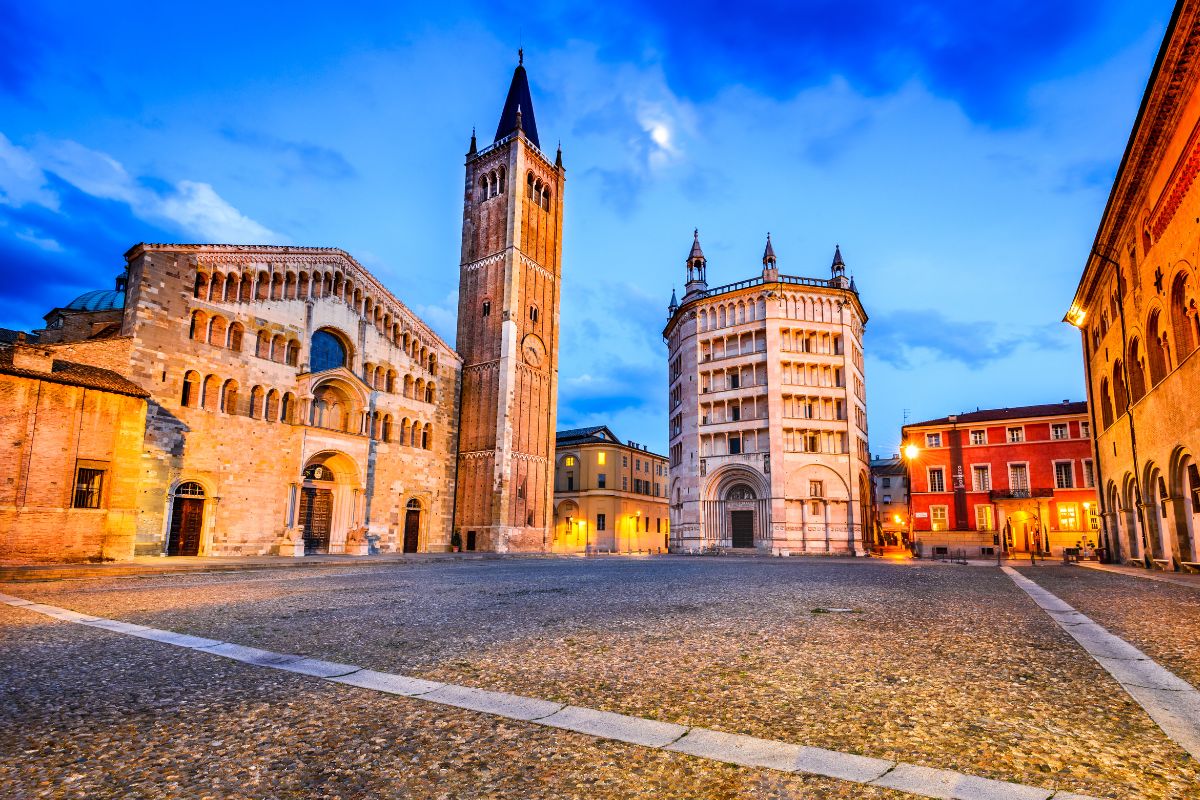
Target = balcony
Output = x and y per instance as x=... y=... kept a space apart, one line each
x=1019 y=494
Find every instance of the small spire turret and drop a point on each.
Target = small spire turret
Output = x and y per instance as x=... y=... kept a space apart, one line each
x=770 y=270
x=673 y=306
x=474 y=147
x=697 y=266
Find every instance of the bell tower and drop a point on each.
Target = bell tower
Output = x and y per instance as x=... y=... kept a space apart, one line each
x=508 y=298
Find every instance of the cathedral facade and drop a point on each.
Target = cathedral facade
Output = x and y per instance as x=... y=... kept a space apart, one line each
x=768 y=413
x=293 y=405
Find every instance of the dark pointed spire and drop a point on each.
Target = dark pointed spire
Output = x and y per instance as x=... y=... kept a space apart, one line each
x=769 y=253
x=674 y=302
x=518 y=106
x=696 y=251
x=853 y=287
x=558 y=156
x=474 y=147
x=837 y=256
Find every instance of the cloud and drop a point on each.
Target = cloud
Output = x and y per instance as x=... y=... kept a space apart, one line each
x=192 y=207
x=905 y=339
x=296 y=159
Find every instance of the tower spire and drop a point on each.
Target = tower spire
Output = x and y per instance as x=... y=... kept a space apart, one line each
x=697 y=266
x=770 y=271
x=519 y=103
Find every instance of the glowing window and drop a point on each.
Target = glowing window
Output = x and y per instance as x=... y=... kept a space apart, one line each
x=327 y=352
x=600 y=459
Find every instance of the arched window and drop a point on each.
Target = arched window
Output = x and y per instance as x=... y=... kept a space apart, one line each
x=533 y=313
x=199 y=326
x=209 y=392
x=327 y=352
x=278 y=348
x=502 y=180
x=235 y=336
x=1137 y=374
x=287 y=408
x=408 y=385
x=256 y=402
x=1120 y=397
x=229 y=397
x=201 y=289
x=487 y=308
x=427 y=436
x=1155 y=351
x=293 y=353
x=429 y=393
x=1106 y=409
x=1181 y=326
x=263 y=346
x=216 y=331
x=272 y=407
x=386 y=432
x=191 y=389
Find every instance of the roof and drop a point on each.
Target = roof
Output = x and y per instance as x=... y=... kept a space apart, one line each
x=837 y=256
x=696 y=251
x=98 y=300
x=597 y=433
x=890 y=465
x=518 y=99
x=72 y=374
x=1004 y=414
x=9 y=335
x=769 y=253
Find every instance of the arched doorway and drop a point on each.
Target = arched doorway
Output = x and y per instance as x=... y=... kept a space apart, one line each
x=739 y=504
x=1021 y=532
x=412 y=526
x=187 y=520
x=316 y=508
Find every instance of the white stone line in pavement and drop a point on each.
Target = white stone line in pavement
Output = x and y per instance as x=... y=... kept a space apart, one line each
x=1173 y=703
x=728 y=748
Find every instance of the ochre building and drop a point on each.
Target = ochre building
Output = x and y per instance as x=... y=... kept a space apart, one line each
x=768 y=413
x=609 y=496
x=288 y=403
x=1136 y=309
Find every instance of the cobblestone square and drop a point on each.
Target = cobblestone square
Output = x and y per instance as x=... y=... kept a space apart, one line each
x=943 y=666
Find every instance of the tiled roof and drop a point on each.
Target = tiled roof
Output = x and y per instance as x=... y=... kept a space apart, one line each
x=1008 y=414
x=72 y=374
x=588 y=434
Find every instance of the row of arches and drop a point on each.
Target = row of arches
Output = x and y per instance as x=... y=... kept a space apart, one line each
x=385 y=379
x=537 y=191
x=264 y=285
x=493 y=183
x=731 y=313
x=1158 y=516
x=1166 y=341
x=216 y=330
x=212 y=394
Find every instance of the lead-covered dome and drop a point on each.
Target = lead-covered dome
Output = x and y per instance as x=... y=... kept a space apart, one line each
x=98 y=300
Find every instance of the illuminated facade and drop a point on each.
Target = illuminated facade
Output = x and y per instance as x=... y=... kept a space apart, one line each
x=609 y=496
x=1136 y=308
x=1021 y=479
x=768 y=413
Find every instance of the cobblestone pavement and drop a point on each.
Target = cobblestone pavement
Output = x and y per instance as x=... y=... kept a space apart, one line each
x=1160 y=619
x=941 y=665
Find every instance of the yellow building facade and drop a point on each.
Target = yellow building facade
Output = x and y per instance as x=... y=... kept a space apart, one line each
x=609 y=495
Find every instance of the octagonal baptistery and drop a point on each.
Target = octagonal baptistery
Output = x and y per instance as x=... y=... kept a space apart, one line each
x=297 y=407
x=768 y=414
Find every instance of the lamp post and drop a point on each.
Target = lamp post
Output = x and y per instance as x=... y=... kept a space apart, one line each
x=637 y=521
x=910 y=452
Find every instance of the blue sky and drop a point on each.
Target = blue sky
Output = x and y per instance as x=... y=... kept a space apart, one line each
x=960 y=153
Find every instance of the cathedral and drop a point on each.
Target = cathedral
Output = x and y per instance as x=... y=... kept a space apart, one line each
x=250 y=399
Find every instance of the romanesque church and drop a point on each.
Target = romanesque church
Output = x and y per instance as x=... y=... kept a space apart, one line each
x=242 y=399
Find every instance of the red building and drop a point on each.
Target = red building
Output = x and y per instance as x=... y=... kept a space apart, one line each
x=1018 y=478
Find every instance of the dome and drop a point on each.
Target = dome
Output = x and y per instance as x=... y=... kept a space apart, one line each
x=98 y=300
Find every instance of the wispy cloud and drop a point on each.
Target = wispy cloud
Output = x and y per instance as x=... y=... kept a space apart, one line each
x=906 y=339
x=297 y=159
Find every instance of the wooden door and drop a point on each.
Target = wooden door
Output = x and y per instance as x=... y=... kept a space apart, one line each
x=412 y=530
x=316 y=512
x=187 y=523
x=742 y=525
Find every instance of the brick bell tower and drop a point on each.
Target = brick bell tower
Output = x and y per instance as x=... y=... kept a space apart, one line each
x=509 y=288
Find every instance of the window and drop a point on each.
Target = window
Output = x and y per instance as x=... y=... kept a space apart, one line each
x=816 y=488
x=1058 y=430
x=533 y=313
x=327 y=352
x=1016 y=435
x=625 y=483
x=887 y=498
x=938 y=517
x=599 y=522
x=601 y=480
x=1068 y=517
x=733 y=381
x=89 y=483
x=569 y=461
x=1064 y=475
x=1089 y=474
x=1018 y=477
x=887 y=483
x=600 y=458
x=933 y=440
x=937 y=479
x=1093 y=516
x=735 y=413
x=735 y=445
x=487 y=307
x=1085 y=430
x=983 y=519
x=978 y=437
x=624 y=461
x=981 y=476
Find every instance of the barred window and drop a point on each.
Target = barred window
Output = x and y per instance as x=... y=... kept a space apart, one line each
x=89 y=483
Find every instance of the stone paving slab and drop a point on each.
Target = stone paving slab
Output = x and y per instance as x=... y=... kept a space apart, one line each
x=948 y=785
x=388 y=682
x=178 y=639
x=116 y=626
x=635 y=730
x=319 y=668
x=750 y=751
x=500 y=704
x=252 y=655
